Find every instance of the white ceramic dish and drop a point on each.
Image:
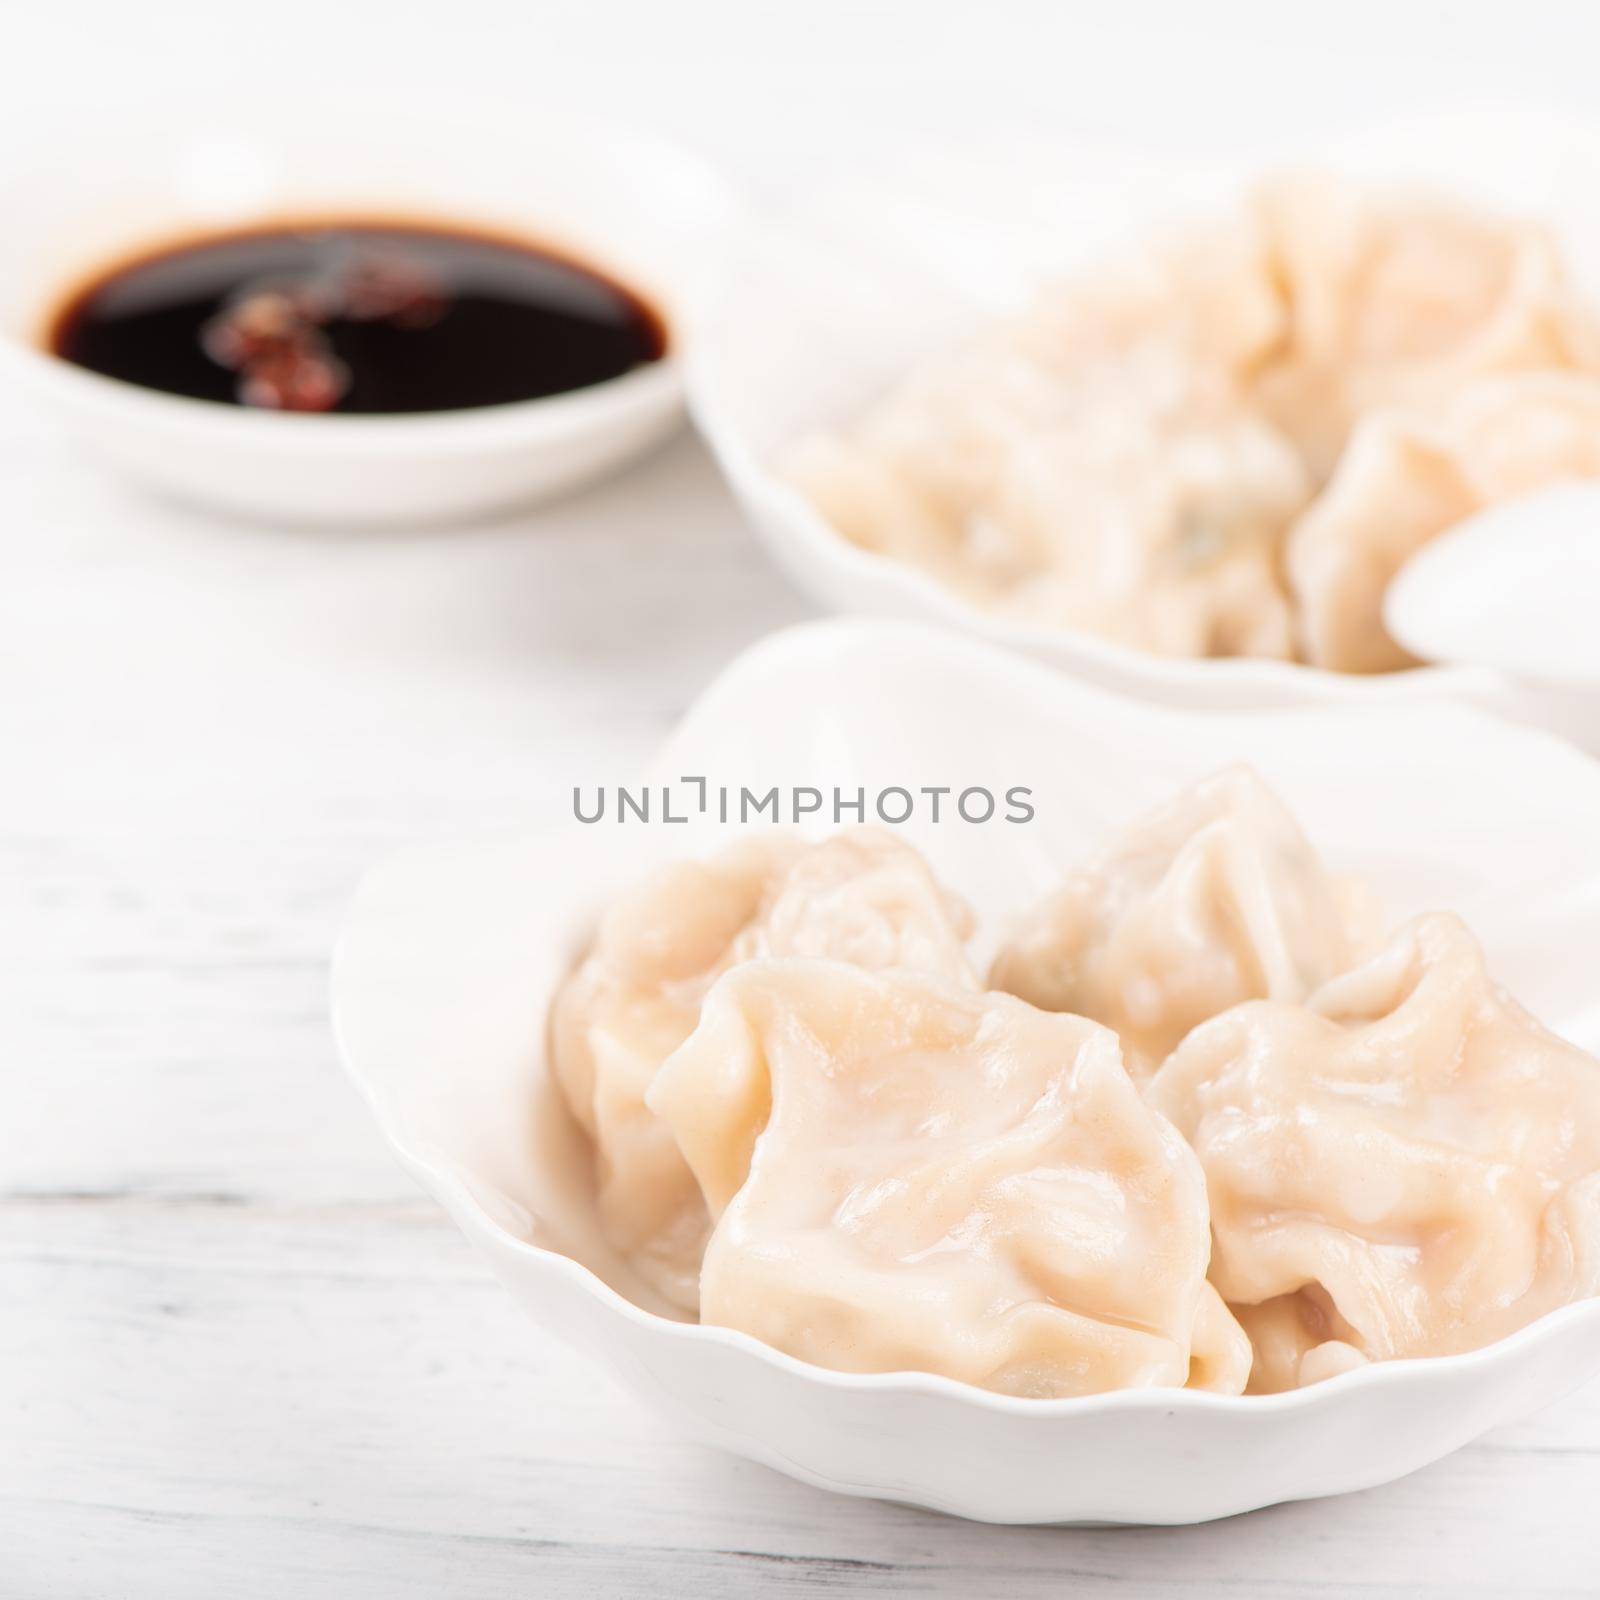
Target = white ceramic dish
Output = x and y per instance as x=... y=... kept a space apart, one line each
x=450 y=955
x=651 y=214
x=829 y=300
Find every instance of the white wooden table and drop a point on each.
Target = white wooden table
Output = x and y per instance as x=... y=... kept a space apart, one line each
x=240 y=1355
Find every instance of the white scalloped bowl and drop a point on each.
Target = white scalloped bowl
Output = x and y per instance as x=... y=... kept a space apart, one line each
x=450 y=956
x=834 y=296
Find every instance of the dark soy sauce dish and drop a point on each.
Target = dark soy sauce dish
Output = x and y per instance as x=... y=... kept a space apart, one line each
x=369 y=319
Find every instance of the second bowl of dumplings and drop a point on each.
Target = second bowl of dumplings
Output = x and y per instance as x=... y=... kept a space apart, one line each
x=1209 y=1123
x=1172 y=426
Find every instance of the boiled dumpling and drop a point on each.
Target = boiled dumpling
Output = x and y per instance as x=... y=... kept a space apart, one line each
x=1121 y=512
x=1215 y=898
x=907 y=1175
x=1298 y=1339
x=861 y=896
x=1407 y=1165
x=1522 y=433
x=1092 y=463
x=631 y=1001
x=1395 y=490
x=1401 y=299
x=864 y=897
x=1409 y=475
x=1162 y=537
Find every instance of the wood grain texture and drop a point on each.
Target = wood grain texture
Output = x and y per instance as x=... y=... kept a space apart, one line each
x=227 y=1398
x=240 y=1355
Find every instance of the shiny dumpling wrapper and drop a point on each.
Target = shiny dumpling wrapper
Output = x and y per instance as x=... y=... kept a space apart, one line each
x=860 y=896
x=910 y=1176
x=1407 y=1165
x=1214 y=898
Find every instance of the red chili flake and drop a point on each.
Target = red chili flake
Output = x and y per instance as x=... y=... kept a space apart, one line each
x=258 y=324
x=272 y=334
x=299 y=377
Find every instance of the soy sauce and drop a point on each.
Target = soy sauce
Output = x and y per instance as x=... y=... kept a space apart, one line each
x=363 y=319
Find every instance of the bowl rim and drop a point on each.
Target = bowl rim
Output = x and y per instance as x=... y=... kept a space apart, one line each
x=460 y=1201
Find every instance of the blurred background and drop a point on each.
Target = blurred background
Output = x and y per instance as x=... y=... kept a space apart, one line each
x=772 y=90
x=239 y=1353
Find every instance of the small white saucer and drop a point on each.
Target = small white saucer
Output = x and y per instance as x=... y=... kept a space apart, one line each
x=623 y=202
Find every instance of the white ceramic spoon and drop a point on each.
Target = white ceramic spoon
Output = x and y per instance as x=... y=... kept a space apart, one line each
x=1516 y=588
